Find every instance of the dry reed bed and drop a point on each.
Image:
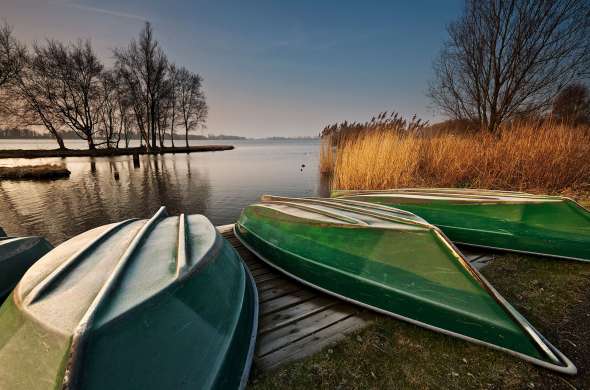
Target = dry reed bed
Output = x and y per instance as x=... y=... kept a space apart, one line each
x=545 y=158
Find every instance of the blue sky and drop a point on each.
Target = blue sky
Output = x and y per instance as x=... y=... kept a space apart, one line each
x=283 y=68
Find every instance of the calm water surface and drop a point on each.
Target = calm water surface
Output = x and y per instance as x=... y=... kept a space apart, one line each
x=109 y=189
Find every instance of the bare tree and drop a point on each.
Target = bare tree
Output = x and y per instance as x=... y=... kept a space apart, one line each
x=172 y=98
x=125 y=111
x=12 y=58
x=510 y=57
x=142 y=66
x=191 y=101
x=109 y=115
x=72 y=89
x=11 y=55
x=30 y=106
x=572 y=104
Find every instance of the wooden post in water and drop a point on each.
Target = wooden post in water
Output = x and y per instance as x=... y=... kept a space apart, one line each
x=136 y=160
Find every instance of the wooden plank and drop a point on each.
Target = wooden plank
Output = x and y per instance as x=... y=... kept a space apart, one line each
x=294 y=313
x=312 y=344
x=258 y=265
x=285 y=301
x=274 y=283
x=266 y=277
x=261 y=271
x=224 y=229
x=277 y=291
x=284 y=336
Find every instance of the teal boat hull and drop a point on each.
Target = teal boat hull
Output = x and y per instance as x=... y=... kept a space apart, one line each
x=17 y=255
x=165 y=303
x=394 y=263
x=512 y=221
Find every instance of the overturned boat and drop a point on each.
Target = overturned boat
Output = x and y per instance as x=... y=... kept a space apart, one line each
x=17 y=254
x=394 y=262
x=164 y=303
x=2 y=232
x=514 y=221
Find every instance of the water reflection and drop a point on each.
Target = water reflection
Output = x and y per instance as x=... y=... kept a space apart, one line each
x=104 y=190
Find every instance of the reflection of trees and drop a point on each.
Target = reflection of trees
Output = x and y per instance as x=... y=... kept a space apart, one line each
x=93 y=197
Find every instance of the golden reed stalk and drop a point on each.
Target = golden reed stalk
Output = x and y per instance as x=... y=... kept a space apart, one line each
x=548 y=157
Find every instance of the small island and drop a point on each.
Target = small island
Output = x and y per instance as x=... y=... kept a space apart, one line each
x=34 y=172
x=41 y=153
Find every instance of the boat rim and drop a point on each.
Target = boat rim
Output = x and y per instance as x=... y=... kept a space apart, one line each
x=540 y=254
x=569 y=368
x=254 y=333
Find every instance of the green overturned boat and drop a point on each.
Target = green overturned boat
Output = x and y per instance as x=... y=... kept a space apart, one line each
x=394 y=262
x=515 y=221
x=164 y=303
x=2 y=232
x=17 y=254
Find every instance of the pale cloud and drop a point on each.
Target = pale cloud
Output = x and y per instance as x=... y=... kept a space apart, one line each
x=101 y=10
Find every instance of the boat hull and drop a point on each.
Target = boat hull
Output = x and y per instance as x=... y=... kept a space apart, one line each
x=409 y=273
x=176 y=308
x=17 y=255
x=548 y=226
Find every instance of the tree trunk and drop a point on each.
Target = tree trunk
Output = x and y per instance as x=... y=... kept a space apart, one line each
x=186 y=137
x=91 y=145
x=60 y=141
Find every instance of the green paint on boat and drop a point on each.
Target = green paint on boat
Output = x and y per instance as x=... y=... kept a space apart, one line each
x=514 y=221
x=17 y=254
x=391 y=261
x=165 y=303
x=2 y=232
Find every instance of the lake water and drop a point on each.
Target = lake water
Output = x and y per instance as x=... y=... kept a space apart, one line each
x=109 y=189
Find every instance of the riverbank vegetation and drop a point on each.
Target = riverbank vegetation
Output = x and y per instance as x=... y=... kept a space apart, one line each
x=511 y=78
x=34 y=172
x=65 y=89
x=546 y=156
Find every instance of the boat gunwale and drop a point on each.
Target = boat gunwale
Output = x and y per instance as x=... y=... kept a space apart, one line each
x=485 y=196
x=254 y=333
x=351 y=208
x=343 y=218
x=539 y=254
x=539 y=340
x=450 y=190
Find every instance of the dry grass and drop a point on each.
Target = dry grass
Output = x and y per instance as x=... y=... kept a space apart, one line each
x=327 y=156
x=548 y=157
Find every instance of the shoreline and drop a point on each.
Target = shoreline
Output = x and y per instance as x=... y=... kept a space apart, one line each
x=46 y=153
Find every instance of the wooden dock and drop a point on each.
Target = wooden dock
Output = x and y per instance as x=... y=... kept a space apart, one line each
x=297 y=321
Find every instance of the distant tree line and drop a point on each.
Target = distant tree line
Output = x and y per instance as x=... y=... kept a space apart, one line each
x=66 y=89
x=16 y=133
